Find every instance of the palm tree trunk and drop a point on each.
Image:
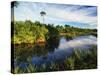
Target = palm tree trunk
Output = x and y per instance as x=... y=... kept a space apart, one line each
x=43 y=19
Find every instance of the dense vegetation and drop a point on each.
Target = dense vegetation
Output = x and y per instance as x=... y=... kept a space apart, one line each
x=27 y=36
x=80 y=59
x=29 y=32
x=38 y=39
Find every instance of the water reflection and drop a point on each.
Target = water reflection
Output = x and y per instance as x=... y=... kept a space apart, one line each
x=52 y=43
x=54 y=50
x=82 y=41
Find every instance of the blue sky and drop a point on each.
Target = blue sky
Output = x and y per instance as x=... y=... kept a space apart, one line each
x=74 y=15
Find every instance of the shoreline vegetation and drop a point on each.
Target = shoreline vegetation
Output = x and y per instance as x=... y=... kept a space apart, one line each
x=32 y=33
x=35 y=45
x=36 y=32
x=79 y=60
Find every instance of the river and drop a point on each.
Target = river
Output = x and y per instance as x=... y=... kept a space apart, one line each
x=65 y=48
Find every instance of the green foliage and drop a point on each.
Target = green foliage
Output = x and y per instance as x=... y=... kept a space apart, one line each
x=70 y=63
x=72 y=32
x=80 y=59
x=18 y=70
x=52 y=31
x=28 y=32
x=30 y=68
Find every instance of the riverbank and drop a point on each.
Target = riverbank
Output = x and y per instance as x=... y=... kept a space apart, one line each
x=80 y=59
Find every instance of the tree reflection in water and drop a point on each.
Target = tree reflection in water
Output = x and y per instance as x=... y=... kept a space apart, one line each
x=25 y=52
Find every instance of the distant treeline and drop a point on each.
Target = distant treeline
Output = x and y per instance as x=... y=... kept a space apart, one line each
x=33 y=32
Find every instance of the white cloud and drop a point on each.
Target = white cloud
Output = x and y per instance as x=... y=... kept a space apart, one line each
x=57 y=13
x=80 y=16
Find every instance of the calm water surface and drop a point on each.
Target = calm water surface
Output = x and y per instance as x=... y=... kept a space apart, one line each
x=43 y=54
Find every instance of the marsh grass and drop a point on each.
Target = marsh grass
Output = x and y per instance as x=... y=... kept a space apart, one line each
x=80 y=59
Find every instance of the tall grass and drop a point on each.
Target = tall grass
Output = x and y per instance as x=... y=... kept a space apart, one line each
x=29 y=68
x=80 y=59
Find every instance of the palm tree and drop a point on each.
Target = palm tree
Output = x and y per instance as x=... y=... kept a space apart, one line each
x=42 y=14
